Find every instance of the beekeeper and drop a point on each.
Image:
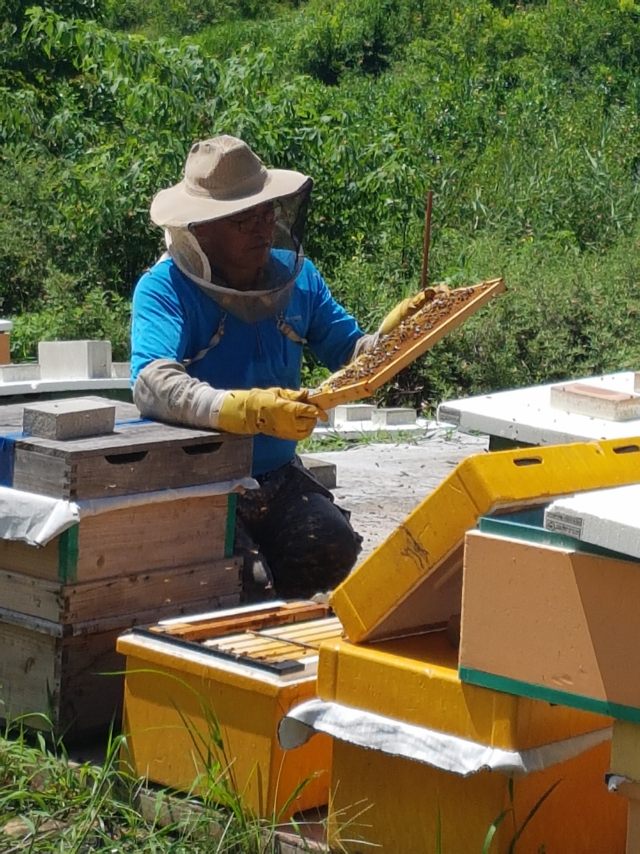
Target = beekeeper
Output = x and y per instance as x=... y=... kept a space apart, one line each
x=219 y=324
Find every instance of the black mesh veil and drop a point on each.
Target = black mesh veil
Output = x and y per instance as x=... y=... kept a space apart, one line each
x=271 y=294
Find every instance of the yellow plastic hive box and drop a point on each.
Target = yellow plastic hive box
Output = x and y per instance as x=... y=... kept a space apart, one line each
x=402 y=805
x=413 y=580
x=176 y=695
x=563 y=624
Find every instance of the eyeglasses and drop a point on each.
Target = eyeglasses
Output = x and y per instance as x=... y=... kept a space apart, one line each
x=252 y=222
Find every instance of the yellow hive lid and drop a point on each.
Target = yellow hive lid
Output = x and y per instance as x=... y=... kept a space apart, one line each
x=415 y=680
x=413 y=581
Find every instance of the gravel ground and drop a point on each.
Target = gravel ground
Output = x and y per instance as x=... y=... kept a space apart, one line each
x=382 y=483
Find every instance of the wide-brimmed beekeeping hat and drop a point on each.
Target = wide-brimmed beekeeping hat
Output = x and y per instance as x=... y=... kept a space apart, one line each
x=222 y=176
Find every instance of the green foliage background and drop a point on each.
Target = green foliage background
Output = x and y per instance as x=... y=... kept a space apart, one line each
x=523 y=119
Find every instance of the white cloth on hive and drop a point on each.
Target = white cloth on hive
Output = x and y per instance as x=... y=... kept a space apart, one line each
x=38 y=519
x=442 y=750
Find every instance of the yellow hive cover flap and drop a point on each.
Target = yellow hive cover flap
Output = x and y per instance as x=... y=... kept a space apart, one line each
x=413 y=580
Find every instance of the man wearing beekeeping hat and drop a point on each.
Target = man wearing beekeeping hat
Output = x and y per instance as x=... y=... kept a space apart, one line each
x=219 y=324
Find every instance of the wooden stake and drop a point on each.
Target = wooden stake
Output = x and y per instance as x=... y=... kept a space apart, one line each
x=427 y=237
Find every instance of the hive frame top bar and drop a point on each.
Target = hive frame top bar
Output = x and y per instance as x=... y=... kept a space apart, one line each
x=405 y=345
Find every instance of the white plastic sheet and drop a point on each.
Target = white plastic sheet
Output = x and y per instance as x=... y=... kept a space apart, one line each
x=441 y=750
x=37 y=519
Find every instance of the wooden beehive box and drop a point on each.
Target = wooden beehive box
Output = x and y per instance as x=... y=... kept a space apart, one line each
x=140 y=556
x=141 y=589
x=71 y=675
x=139 y=456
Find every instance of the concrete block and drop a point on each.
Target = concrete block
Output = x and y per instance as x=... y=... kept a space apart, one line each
x=121 y=370
x=636 y=381
x=21 y=372
x=325 y=472
x=75 y=418
x=607 y=518
x=61 y=360
x=354 y=412
x=583 y=399
x=382 y=418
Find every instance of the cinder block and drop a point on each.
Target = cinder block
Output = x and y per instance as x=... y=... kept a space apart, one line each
x=583 y=399
x=121 y=370
x=75 y=418
x=354 y=412
x=324 y=471
x=62 y=360
x=22 y=372
x=390 y=417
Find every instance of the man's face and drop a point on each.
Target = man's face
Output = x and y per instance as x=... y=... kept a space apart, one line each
x=238 y=247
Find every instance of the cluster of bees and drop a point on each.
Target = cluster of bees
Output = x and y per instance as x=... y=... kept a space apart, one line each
x=390 y=346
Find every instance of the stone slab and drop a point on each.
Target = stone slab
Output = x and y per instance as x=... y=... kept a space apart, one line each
x=73 y=418
x=393 y=416
x=323 y=470
x=21 y=372
x=353 y=412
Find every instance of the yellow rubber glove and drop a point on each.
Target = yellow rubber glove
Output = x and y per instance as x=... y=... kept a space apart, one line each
x=408 y=307
x=279 y=412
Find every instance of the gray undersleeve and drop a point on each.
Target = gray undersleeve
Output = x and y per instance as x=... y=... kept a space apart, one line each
x=164 y=391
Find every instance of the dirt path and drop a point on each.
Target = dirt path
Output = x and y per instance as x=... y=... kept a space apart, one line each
x=381 y=484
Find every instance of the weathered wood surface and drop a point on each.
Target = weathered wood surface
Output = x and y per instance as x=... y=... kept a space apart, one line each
x=74 y=679
x=123 y=595
x=212 y=627
x=139 y=456
x=142 y=537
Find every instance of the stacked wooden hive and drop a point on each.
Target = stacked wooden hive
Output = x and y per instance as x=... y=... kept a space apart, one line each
x=153 y=539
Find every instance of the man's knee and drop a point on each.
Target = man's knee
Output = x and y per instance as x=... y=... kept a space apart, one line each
x=315 y=549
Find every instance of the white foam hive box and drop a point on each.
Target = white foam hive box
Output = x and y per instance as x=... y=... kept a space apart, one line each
x=61 y=360
x=75 y=418
x=609 y=518
x=584 y=399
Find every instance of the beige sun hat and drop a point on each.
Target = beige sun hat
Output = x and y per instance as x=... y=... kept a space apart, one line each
x=222 y=176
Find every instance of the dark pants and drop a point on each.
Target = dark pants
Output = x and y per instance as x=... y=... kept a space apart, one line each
x=294 y=540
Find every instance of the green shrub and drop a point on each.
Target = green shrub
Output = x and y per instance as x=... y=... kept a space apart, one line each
x=68 y=312
x=339 y=36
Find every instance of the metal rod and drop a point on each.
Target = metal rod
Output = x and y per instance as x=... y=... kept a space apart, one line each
x=427 y=238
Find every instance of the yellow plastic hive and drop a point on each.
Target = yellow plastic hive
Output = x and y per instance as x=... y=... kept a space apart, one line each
x=625 y=750
x=173 y=700
x=413 y=579
x=394 y=805
x=415 y=680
